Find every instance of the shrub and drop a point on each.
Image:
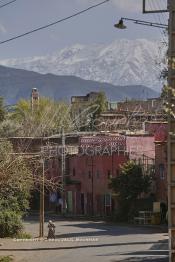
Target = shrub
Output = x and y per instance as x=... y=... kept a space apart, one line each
x=10 y=223
x=128 y=186
x=23 y=235
x=6 y=259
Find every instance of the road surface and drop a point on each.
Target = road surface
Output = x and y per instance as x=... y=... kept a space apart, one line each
x=89 y=241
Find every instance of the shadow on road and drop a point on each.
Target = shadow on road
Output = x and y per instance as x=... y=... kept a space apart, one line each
x=157 y=253
x=143 y=259
x=161 y=243
x=102 y=229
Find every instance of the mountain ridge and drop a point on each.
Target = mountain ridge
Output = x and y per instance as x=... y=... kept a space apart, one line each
x=18 y=83
x=122 y=62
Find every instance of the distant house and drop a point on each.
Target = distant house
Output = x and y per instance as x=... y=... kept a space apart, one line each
x=84 y=100
x=131 y=114
x=152 y=105
x=79 y=103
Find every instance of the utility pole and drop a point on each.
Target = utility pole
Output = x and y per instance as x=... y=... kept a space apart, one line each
x=90 y=163
x=171 y=131
x=41 y=229
x=63 y=164
x=171 y=123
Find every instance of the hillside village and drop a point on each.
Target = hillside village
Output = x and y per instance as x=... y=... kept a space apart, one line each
x=127 y=130
x=87 y=141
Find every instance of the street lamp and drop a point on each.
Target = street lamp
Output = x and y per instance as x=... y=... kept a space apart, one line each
x=120 y=24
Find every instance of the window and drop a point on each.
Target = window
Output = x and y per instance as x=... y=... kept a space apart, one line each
x=108 y=199
x=73 y=172
x=98 y=174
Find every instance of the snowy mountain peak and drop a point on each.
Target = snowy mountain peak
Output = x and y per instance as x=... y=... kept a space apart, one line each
x=122 y=62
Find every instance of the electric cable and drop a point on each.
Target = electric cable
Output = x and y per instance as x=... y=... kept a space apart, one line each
x=53 y=23
x=8 y=3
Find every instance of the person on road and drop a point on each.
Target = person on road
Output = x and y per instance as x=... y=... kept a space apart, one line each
x=51 y=232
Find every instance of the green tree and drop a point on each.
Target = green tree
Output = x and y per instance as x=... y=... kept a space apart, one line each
x=47 y=119
x=129 y=185
x=16 y=181
x=9 y=128
x=99 y=105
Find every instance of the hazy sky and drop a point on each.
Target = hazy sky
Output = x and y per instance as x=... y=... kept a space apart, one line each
x=95 y=26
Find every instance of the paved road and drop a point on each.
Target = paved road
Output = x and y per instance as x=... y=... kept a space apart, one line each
x=88 y=241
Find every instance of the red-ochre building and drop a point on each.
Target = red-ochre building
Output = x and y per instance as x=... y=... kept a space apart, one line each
x=99 y=159
x=90 y=176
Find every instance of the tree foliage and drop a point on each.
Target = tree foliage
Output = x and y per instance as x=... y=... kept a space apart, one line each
x=47 y=119
x=9 y=128
x=10 y=223
x=131 y=182
x=99 y=105
x=129 y=185
x=15 y=180
x=101 y=102
x=15 y=185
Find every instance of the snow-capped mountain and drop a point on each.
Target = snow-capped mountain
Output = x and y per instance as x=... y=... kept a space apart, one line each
x=123 y=62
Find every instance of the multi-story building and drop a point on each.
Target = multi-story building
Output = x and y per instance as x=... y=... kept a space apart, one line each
x=90 y=171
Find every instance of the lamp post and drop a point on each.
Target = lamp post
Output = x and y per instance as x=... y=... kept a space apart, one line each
x=120 y=24
x=171 y=130
x=171 y=121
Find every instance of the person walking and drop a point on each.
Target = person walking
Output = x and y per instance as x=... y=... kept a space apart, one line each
x=51 y=232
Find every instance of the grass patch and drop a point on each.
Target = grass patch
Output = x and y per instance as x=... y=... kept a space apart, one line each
x=23 y=235
x=6 y=259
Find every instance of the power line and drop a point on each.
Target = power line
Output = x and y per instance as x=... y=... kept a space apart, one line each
x=2 y=1
x=8 y=3
x=53 y=23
